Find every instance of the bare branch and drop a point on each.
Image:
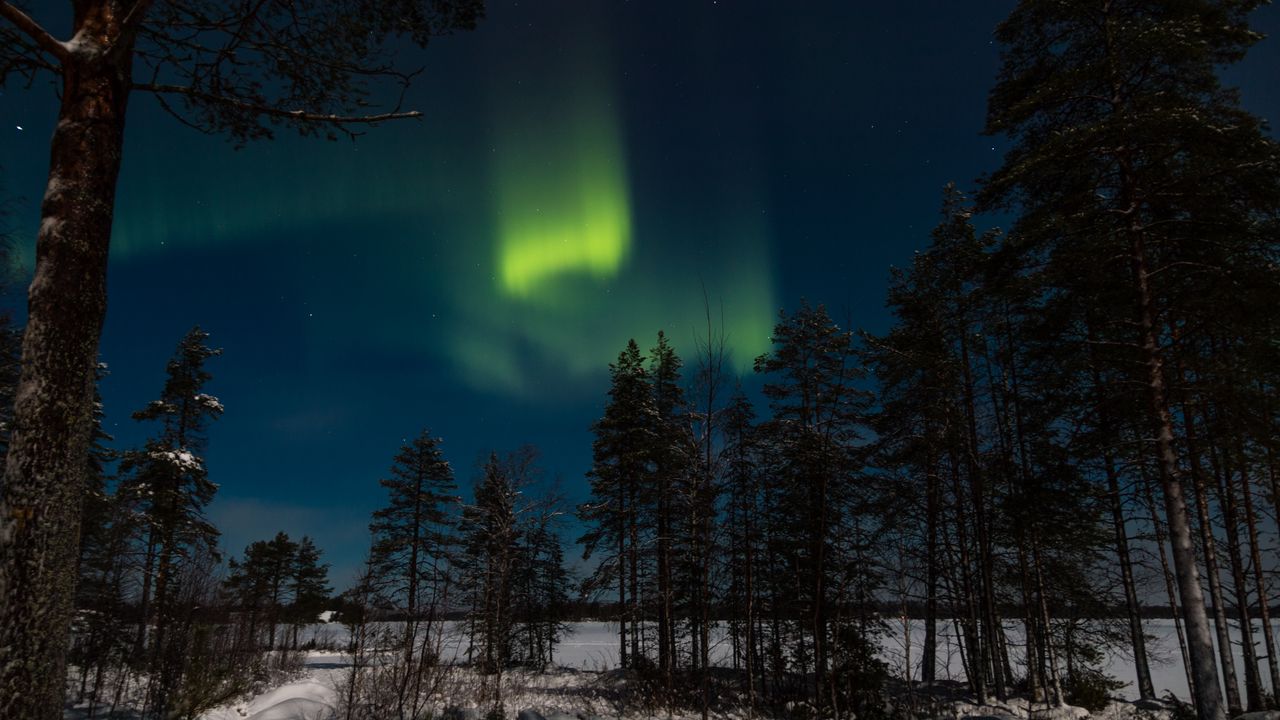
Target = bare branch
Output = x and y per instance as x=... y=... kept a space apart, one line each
x=23 y=22
x=297 y=115
x=136 y=13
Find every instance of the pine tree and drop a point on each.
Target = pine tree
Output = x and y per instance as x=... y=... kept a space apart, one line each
x=669 y=453
x=1126 y=146
x=540 y=592
x=744 y=538
x=818 y=415
x=491 y=534
x=260 y=583
x=309 y=584
x=621 y=496
x=106 y=528
x=10 y=358
x=169 y=484
x=414 y=544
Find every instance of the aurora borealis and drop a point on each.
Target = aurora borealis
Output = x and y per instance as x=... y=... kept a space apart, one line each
x=585 y=173
x=562 y=204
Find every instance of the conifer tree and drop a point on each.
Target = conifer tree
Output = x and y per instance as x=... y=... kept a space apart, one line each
x=621 y=497
x=168 y=483
x=260 y=583
x=414 y=544
x=1128 y=155
x=744 y=538
x=818 y=415
x=670 y=465
x=309 y=585
x=540 y=587
x=490 y=549
x=106 y=528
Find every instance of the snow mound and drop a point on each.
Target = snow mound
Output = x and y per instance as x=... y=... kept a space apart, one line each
x=295 y=709
x=1063 y=712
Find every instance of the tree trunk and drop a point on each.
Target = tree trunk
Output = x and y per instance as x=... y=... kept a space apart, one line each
x=1260 y=583
x=1215 y=588
x=1055 y=682
x=986 y=597
x=1231 y=522
x=1170 y=589
x=1199 y=640
x=41 y=495
x=929 y=659
x=1142 y=668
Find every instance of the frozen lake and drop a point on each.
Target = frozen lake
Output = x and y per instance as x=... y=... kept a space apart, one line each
x=594 y=646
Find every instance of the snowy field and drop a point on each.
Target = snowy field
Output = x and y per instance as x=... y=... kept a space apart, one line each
x=592 y=647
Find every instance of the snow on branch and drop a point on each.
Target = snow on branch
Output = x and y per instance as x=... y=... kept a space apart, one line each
x=210 y=402
x=182 y=459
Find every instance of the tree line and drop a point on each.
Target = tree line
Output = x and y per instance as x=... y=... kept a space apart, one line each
x=489 y=574
x=1066 y=418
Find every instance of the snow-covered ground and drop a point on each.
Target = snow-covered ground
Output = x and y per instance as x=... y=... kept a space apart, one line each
x=577 y=685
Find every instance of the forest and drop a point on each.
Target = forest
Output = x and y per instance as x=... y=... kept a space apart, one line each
x=1069 y=431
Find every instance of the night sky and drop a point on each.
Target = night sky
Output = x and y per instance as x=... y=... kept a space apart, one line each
x=583 y=171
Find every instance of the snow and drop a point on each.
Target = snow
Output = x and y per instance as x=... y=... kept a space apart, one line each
x=581 y=683
x=181 y=458
x=311 y=697
x=210 y=402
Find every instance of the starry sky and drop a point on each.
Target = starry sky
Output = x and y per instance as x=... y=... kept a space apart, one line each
x=586 y=172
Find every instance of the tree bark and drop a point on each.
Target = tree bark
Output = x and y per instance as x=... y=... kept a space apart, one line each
x=1231 y=523
x=1207 y=542
x=1170 y=590
x=41 y=495
x=1199 y=642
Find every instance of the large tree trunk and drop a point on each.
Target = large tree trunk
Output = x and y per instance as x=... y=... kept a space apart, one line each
x=1199 y=641
x=1170 y=590
x=1209 y=545
x=39 y=507
x=1204 y=671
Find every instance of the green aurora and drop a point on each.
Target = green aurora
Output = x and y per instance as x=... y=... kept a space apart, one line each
x=513 y=249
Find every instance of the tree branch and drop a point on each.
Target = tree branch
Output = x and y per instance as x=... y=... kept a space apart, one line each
x=135 y=14
x=297 y=115
x=23 y=22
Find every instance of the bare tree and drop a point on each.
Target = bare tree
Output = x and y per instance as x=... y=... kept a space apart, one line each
x=243 y=67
